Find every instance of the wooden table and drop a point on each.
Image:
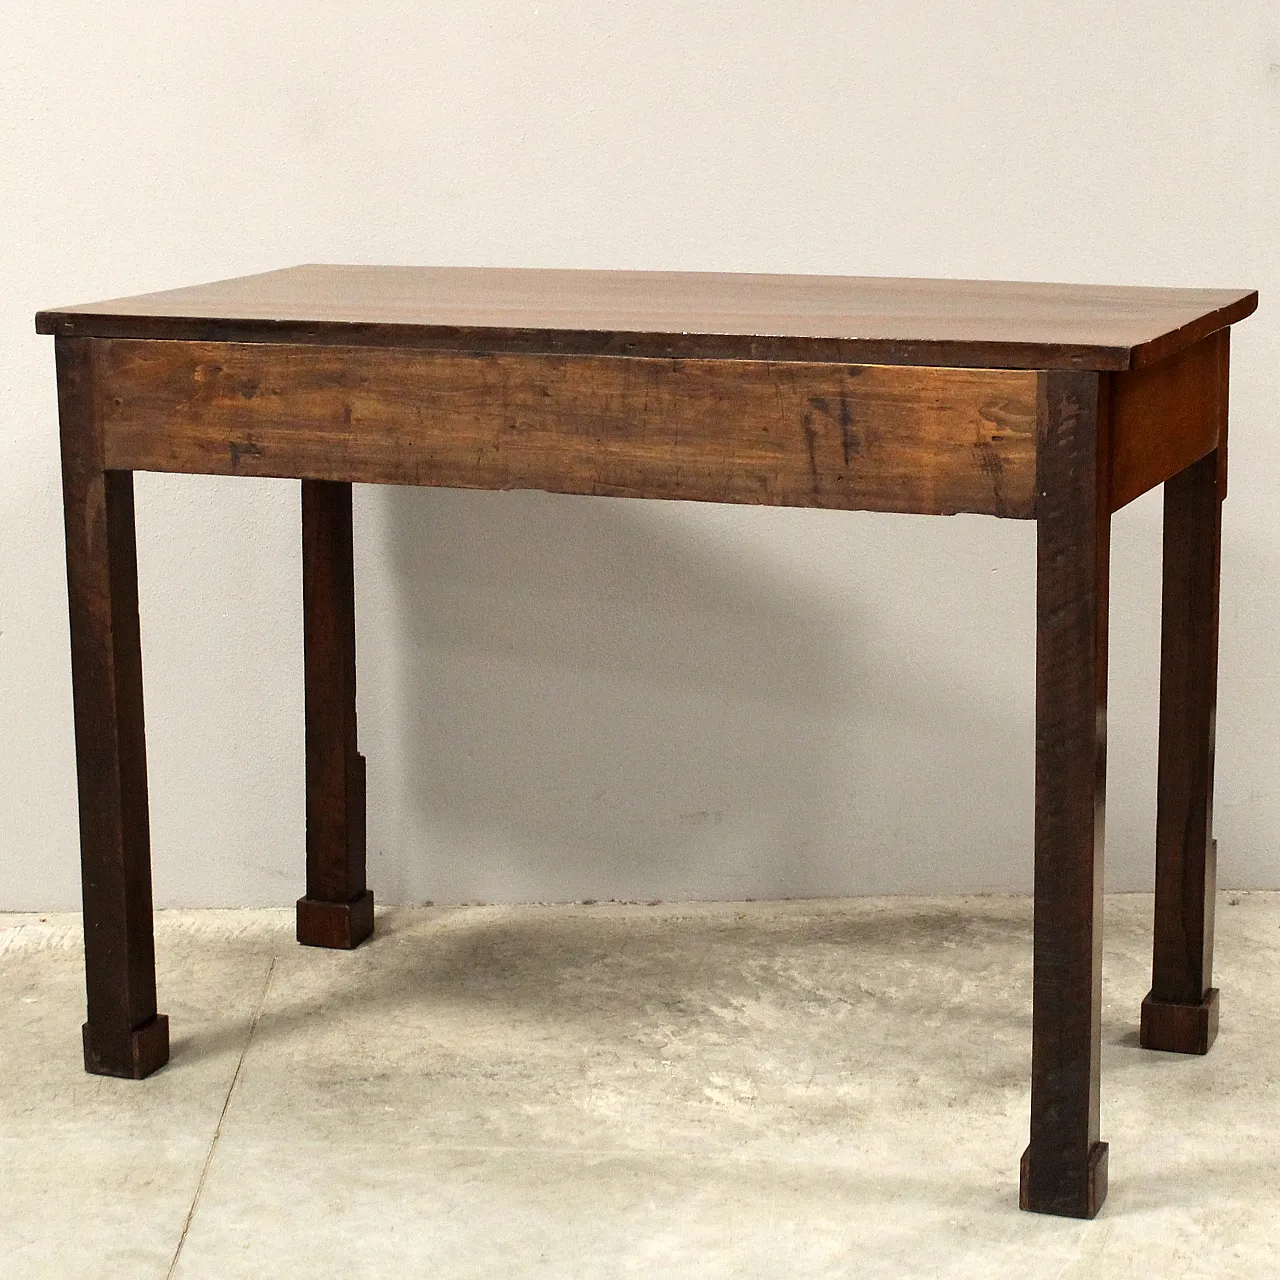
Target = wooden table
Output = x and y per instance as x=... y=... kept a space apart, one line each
x=1058 y=403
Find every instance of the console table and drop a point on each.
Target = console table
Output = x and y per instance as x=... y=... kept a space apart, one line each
x=1053 y=403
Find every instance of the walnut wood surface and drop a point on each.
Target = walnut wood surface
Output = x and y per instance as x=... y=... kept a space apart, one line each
x=335 y=768
x=1064 y=1168
x=1165 y=417
x=996 y=324
x=1186 y=854
x=1054 y=402
x=879 y=437
x=123 y=1036
x=1173 y=1027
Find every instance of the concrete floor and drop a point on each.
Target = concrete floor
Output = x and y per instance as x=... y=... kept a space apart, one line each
x=787 y=1089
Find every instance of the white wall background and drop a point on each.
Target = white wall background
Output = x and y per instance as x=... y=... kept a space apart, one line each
x=568 y=697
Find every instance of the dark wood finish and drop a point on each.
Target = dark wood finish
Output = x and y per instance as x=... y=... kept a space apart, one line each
x=337 y=910
x=1181 y=1012
x=845 y=319
x=338 y=925
x=123 y=1035
x=1180 y=1028
x=1057 y=402
x=1166 y=416
x=1064 y=1167
x=853 y=437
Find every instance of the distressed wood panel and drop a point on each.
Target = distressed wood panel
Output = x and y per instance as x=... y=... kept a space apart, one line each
x=1167 y=416
x=868 y=437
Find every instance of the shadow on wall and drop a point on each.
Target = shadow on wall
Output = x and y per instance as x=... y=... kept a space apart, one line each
x=596 y=700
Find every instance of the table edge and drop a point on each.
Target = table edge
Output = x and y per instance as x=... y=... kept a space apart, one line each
x=948 y=352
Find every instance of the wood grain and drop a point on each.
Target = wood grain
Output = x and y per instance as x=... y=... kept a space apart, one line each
x=1180 y=1013
x=850 y=437
x=1166 y=416
x=685 y=315
x=1065 y=1166
x=123 y=1035
x=337 y=910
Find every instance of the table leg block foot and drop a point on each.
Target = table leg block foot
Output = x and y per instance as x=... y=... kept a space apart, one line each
x=1080 y=1196
x=1180 y=1028
x=341 y=925
x=132 y=1057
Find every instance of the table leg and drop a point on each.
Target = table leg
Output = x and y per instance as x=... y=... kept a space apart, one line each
x=123 y=1034
x=1180 y=1014
x=337 y=910
x=1064 y=1169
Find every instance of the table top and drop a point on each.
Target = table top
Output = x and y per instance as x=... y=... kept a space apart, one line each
x=997 y=324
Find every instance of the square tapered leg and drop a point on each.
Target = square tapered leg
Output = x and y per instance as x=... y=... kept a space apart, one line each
x=337 y=910
x=1180 y=1014
x=123 y=1036
x=1064 y=1169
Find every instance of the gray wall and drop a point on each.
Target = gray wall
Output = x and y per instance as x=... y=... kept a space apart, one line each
x=564 y=697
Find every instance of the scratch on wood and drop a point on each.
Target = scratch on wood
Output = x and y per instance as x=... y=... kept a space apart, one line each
x=849 y=441
x=993 y=468
x=811 y=443
x=242 y=449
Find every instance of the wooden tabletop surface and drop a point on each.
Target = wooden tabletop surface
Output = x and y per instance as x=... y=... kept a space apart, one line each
x=1000 y=324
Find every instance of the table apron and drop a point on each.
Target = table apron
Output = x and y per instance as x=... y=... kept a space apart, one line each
x=854 y=437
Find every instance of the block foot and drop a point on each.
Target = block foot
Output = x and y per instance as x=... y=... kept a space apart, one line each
x=142 y=1051
x=342 y=925
x=1180 y=1028
x=1070 y=1197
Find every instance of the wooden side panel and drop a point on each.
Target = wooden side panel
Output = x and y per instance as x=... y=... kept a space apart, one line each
x=1166 y=416
x=868 y=437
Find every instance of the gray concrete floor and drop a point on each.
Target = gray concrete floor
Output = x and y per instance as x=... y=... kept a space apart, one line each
x=785 y=1089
